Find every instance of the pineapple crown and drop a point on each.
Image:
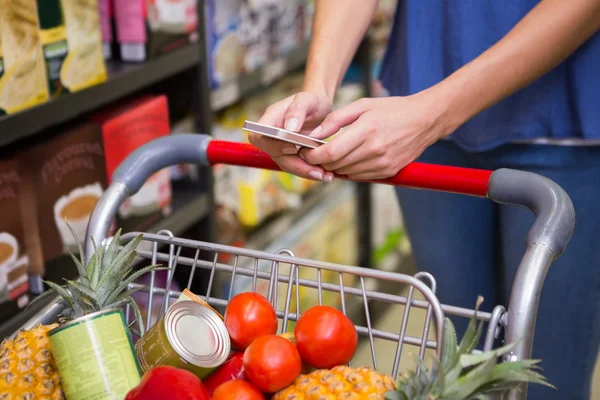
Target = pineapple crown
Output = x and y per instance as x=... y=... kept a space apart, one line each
x=103 y=281
x=459 y=374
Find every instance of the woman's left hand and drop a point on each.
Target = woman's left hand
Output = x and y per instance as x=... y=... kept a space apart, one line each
x=382 y=135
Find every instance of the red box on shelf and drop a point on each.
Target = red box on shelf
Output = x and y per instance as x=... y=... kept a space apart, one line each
x=124 y=129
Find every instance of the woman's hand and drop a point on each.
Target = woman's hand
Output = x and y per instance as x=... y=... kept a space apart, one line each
x=381 y=137
x=298 y=113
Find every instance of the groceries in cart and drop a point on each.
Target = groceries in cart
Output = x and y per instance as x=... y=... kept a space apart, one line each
x=195 y=351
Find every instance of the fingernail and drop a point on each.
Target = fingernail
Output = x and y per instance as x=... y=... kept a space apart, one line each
x=316 y=175
x=328 y=178
x=289 y=150
x=316 y=131
x=302 y=156
x=291 y=124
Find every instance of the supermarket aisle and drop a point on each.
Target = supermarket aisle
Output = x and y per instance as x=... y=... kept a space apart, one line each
x=385 y=351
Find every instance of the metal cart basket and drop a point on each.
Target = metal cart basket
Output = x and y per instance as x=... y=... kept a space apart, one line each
x=546 y=240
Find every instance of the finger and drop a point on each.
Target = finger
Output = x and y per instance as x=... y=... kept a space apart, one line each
x=339 y=147
x=369 y=176
x=272 y=147
x=302 y=105
x=294 y=165
x=360 y=167
x=339 y=119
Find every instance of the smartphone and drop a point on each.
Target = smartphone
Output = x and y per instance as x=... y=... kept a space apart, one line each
x=284 y=135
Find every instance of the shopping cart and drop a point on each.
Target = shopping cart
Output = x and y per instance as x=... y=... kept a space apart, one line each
x=546 y=240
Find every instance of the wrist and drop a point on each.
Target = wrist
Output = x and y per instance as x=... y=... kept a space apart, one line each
x=320 y=88
x=447 y=110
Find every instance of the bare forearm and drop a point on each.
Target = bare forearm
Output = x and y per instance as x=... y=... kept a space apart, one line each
x=338 y=28
x=545 y=37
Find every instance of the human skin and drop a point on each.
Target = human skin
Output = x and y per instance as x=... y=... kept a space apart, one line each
x=383 y=135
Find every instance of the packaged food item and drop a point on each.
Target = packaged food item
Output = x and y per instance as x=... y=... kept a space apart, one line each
x=23 y=83
x=257 y=31
x=289 y=26
x=147 y=29
x=107 y=27
x=65 y=176
x=72 y=43
x=14 y=261
x=124 y=129
x=225 y=47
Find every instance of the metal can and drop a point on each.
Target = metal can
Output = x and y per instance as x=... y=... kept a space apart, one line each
x=95 y=356
x=190 y=336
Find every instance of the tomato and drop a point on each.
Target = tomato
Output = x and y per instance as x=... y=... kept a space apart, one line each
x=249 y=316
x=164 y=382
x=231 y=369
x=237 y=390
x=325 y=337
x=271 y=363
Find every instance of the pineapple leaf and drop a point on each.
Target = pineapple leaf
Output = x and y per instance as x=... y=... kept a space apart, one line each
x=450 y=344
x=107 y=284
x=111 y=252
x=80 y=268
x=393 y=395
x=124 y=284
x=119 y=264
x=62 y=292
x=122 y=296
x=85 y=292
x=468 y=384
x=100 y=251
x=40 y=297
x=138 y=317
x=468 y=360
x=93 y=268
x=79 y=248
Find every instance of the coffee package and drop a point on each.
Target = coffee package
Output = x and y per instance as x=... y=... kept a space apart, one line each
x=65 y=176
x=72 y=44
x=226 y=50
x=124 y=129
x=149 y=28
x=14 y=261
x=23 y=83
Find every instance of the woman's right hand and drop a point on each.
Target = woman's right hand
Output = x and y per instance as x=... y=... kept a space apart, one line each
x=301 y=113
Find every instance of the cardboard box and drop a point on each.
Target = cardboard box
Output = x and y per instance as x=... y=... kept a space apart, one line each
x=23 y=83
x=14 y=261
x=64 y=179
x=226 y=52
x=124 y=129
x=149 y=28
x=72 y=44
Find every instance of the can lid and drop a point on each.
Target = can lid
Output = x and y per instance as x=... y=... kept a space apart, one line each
x=197 y=334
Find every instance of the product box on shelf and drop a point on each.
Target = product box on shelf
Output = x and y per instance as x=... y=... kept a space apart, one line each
x=72 y=44
x=257 y=31
x=64 y=178
x=23 y=83
x=289 y=26
x=147 y=29
x=107 y=28
x=14 y=261
x=124 y=129
x=225 y=47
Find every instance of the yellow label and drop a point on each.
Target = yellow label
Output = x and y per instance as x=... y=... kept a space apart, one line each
x=53 y=35
x=95 y=358
x=189 y=296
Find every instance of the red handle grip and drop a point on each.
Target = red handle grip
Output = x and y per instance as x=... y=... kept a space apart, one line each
x=473 y=182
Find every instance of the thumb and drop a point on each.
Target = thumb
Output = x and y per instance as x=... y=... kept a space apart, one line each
x=301 y=106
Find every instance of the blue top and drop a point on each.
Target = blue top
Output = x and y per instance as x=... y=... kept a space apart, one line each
x=432 y=39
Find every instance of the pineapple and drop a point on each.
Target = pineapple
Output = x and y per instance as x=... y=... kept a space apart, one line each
x=340 y=382
x=461 y=375
x=27 y=370
x=458 y=375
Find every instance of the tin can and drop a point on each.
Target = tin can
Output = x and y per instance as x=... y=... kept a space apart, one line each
x=190 y=336
x=95 y=356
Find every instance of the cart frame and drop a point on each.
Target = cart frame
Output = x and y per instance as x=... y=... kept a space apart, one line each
x=545 y=242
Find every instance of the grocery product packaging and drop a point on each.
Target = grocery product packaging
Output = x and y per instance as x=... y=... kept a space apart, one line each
x=72 y=44
x=124 y=129
x=107 y=28
x=149 y=28
x=23 y=83
x=289 y=26
x=14 y=261
x=64 y=178
x=257 y=31
x=225 y=47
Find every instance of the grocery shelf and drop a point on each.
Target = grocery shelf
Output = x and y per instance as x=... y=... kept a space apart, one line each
x=189 y=206
x=232 y=92
x=123 y=79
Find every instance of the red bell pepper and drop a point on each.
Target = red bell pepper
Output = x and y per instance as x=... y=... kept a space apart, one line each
x=166 y=382
x=231 y=369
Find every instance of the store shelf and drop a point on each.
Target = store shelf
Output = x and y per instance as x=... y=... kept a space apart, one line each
x=189 y=207
x=263 y=77
x=123 y=79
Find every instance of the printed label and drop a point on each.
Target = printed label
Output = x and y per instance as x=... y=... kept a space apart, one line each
x=109 y=372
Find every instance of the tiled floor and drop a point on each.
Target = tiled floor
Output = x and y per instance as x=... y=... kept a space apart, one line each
x=385 y=350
